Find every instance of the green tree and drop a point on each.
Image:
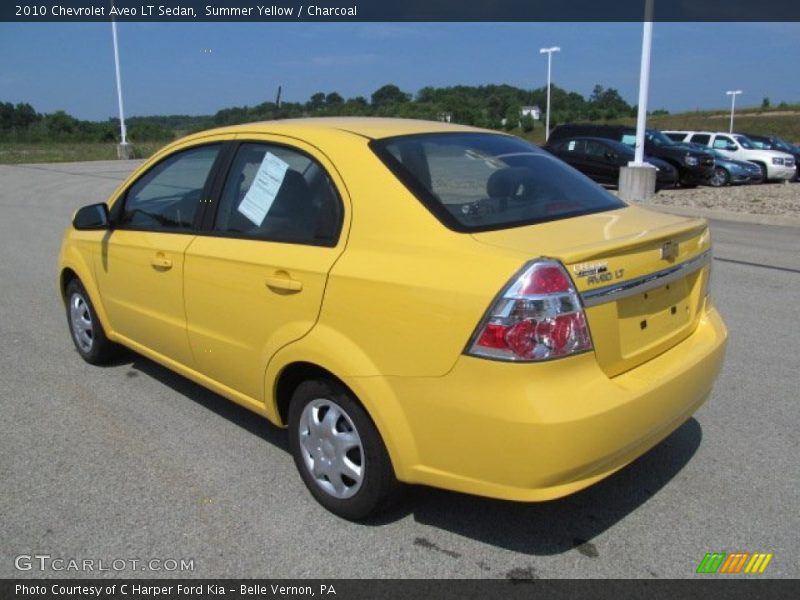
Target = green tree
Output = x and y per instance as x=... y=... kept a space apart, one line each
x=608 y=103
x=527 y=123
x=317 y=101
x=60 y=125
x=333 y=99
x=389 y=94
x=512 y=117
x=765 y=103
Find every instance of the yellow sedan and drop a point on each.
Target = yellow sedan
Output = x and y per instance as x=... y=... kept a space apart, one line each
x=417 y=302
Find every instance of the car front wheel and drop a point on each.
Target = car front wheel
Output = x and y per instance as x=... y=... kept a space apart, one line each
x=85 y=328
x=719 y=178
x=338 y=450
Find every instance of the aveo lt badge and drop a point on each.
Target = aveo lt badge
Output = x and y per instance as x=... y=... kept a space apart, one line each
x=597 y=272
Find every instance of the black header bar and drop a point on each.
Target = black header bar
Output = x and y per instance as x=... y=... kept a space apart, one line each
x=267 y=11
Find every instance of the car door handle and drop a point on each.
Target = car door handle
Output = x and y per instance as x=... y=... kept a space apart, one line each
x=159 y=261
x=282 y=281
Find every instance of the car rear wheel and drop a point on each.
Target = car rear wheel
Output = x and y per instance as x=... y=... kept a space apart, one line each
x=85 y=328
x=338 y=450
x=719 y=178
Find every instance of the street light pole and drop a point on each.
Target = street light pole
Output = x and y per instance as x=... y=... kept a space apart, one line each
x=733 y=94
x=644 y=84
x=123 y=147
x=549 y=52
x=637 y=180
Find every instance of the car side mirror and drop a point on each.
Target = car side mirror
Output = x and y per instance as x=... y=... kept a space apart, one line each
x=94 y=216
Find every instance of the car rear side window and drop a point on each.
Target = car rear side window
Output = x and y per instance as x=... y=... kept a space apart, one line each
x=166 y=197
x=484 y=181
x=701 y=138
x=275 y=193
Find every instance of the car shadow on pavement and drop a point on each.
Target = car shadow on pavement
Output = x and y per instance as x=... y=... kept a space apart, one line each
x=238 y=415
x=544 y=528
x=556 y=526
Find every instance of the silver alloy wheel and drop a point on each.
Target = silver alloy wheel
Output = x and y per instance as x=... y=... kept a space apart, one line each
x=331 y=448
x=81 y=320
x=718 y=178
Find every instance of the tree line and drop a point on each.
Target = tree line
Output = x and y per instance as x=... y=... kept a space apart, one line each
x=490 y=106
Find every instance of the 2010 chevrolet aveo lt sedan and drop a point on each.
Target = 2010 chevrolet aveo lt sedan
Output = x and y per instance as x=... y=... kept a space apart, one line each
x=417 y=302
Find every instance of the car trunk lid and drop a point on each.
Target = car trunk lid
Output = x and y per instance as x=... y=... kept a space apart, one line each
x=641 y=275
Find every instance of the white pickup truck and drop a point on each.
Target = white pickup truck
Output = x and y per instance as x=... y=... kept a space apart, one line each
x=774 y=165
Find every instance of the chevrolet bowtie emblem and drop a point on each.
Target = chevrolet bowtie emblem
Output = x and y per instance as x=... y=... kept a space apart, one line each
x=669 y=250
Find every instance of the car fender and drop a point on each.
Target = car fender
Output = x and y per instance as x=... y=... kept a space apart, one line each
x=335 y=352
x=81 y=262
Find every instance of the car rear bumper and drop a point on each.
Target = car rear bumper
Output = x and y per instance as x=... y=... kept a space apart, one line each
x=533 y=432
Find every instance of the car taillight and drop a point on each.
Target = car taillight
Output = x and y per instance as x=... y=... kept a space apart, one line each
x=539 y=316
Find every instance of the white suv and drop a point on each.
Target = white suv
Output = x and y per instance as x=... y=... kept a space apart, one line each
x=774 y=165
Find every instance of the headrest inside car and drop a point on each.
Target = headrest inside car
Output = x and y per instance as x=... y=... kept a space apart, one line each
x=506 y=183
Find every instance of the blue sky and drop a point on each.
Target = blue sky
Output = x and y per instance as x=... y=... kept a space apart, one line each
x=167 y=67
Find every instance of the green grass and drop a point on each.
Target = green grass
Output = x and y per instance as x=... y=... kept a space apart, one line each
x=14 y=154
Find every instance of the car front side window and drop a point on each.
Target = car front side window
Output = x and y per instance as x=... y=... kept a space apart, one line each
x=724 y=143
x=595 y=149
x=167 y=197
x=275 y=193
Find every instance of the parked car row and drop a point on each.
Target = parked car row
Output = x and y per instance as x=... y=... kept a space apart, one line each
x=774 y=165
x=684 y=158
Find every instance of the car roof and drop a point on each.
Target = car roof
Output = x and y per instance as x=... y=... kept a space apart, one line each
x=369 y=127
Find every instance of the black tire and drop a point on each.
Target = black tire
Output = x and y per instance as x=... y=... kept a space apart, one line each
x=763 y=168
x=353 y=500
x=720 y=177
x=85 y=329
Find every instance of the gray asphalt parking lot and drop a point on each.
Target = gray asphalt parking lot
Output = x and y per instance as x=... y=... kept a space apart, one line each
x=133 y=461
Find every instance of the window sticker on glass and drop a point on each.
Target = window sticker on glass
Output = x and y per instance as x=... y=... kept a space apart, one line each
x=571 y=145
x=259 y=198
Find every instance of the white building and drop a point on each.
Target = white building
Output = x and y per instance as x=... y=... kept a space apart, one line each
x=534 y=111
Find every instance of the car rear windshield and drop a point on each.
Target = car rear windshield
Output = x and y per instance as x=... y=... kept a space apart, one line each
x=483 y=181
x=658 y=138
